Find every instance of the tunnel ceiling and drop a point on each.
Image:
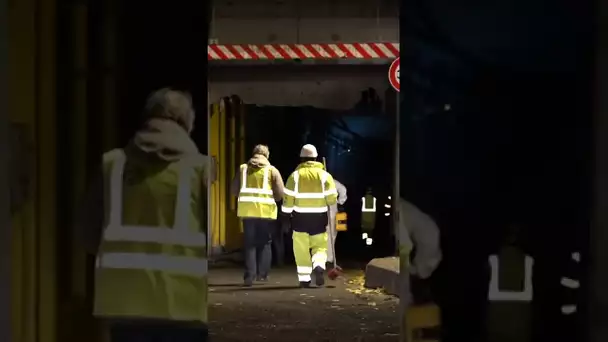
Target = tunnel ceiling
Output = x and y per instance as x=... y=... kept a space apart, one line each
x=542 y=35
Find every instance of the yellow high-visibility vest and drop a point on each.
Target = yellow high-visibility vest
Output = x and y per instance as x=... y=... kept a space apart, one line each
x=309 y=189
x=368 y=212
x=152 y=261
x=255 y=196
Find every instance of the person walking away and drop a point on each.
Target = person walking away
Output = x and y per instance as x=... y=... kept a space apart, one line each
x=368 y=215
x=308 y=193
x=259 y=187
x=331 y=226
x=145 y=220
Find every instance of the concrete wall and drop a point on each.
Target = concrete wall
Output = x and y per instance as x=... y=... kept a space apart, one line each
x=315 y=21
x=330 y=87
x=291 y=21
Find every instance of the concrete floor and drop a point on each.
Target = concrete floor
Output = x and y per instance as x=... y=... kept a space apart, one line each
x=280 y=311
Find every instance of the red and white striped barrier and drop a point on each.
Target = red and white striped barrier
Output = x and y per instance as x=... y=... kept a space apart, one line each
x=303 y=51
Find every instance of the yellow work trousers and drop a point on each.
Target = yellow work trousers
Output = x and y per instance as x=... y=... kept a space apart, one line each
x=304 y=245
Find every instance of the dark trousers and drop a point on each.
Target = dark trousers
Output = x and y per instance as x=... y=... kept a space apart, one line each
x=460 y=287
x=278 y=243
x=257 y=234
x=157 y=332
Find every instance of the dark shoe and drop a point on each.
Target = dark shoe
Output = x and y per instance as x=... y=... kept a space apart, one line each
x=319 y=276
x=262 y=279
x=247 y=282
x=304 y=284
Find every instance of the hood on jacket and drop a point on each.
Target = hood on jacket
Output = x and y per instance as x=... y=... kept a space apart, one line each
x=258 y=161
x=163 y=140
x=312 y=164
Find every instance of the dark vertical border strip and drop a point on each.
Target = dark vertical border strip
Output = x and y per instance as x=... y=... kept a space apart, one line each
x=6 y=333
x=63 y=105
x=585 y=301
x=37 y=173
x=597 y=275
x=401 y=159
x=94 y=86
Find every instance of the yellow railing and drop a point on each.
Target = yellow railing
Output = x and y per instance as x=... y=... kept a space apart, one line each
x=32 y=105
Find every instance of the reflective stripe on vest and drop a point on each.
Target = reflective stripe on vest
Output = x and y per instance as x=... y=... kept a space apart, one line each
x=496 y=294
x=265 y=191
x=180 y=234
x=364 y=205
x=297 y=195
x=257 y=201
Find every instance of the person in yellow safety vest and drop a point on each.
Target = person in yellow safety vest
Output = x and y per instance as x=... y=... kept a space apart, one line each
x=309 y=191
x=368 y=216
x=145 y=220
x=331 y=227
x=259 y=187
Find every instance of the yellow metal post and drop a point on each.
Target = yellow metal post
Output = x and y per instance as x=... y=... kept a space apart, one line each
x=221 y=160
x=233 y=226
x=241 y=136
x=242 y=155
x=214 y=150
x=47 y=177
x=76 y=323
x=78 y=136
x=22 y=109
x=109 y=83
x=32 y=104
x=6 y=231
x=234 y=108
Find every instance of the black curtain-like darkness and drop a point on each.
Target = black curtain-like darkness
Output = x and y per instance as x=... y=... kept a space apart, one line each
x=512 y=148
x=163 y=44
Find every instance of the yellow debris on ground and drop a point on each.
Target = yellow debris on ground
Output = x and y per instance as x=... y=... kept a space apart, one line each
x=356 y=285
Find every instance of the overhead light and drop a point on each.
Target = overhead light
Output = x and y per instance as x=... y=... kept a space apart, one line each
x=369 y=241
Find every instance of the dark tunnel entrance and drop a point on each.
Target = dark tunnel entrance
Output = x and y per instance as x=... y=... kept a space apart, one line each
x=359 y=153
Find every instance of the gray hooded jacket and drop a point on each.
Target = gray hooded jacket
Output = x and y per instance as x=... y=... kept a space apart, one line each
x=159 y=142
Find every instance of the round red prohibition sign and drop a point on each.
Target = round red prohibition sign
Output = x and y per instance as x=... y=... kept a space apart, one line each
x=393 y=74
